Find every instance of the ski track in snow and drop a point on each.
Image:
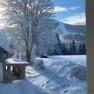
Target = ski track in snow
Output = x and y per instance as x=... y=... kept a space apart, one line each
x=54 y=79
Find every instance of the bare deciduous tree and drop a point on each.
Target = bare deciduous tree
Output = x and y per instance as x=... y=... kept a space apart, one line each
x=28 y=15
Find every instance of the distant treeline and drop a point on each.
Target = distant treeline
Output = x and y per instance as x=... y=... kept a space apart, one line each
x=73 y=48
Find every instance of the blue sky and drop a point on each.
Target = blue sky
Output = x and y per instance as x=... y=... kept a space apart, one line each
x=70 y=11
x=66 y=11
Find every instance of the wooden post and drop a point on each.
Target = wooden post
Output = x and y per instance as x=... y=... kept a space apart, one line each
x=90 y=44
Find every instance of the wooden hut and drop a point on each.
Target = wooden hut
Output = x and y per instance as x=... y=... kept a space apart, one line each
x=10 y=69
x=4 y=51
x=14 y=69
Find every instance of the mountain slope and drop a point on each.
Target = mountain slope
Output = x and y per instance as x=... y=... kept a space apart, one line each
x=47 y=40
x=75 y=28
x=67 y=32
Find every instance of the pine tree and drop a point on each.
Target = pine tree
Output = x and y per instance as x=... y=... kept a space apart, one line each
x=84 y=48
x=80 y=49
x=64 y=49
x=72 y=50
x=58 y=45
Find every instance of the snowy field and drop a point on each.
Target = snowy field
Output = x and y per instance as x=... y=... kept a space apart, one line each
x=57 y=77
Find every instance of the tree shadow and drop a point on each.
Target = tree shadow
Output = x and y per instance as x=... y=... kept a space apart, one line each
x=28 y=87
x=21 y=87
x=54 y=77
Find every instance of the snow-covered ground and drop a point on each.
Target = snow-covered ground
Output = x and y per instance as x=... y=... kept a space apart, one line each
x=55 y=78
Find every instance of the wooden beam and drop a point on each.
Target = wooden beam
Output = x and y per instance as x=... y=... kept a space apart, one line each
x=90 y=44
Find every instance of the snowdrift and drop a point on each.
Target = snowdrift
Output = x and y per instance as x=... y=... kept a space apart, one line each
x=60 y=75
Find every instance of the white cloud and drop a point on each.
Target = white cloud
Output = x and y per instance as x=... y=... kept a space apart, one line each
x=76 y=19
x=74 y=8
x=59 y=9
x=1 y=17
x=2 y=25
x=1 y=12
x=64 y=9
x=2 y=9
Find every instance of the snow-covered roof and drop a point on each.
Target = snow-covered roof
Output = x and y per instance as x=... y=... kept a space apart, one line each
x=3 y=41
x=15 y=61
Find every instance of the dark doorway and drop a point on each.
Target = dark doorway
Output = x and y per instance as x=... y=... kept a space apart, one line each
x=17 y=72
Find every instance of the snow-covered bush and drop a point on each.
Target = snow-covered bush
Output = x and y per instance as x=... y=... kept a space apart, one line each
x=38 y=64
x=79 y=72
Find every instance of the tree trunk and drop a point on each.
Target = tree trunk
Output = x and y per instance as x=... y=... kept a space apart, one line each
x=33 y=52
x=28 y=56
